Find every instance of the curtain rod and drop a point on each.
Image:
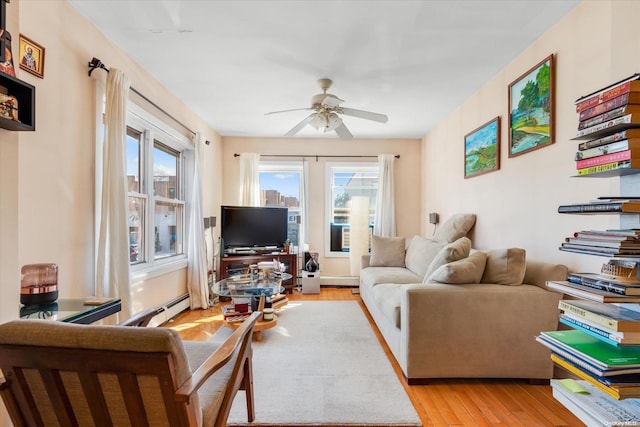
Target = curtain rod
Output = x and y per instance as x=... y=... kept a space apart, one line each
x=317 y=156
x=96 y=63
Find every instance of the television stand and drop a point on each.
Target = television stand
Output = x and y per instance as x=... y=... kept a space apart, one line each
x=239 y=264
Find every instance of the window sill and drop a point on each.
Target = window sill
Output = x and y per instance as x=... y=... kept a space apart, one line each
x=143 y=272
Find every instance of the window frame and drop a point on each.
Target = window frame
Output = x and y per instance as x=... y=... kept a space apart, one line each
x=287 y=166
x=330 y=167
x=155 y=130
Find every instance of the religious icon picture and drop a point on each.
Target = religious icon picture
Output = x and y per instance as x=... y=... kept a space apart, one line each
x=6 y=66
x=31 y=57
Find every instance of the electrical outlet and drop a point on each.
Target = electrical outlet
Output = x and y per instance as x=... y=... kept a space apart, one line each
x=434 y=218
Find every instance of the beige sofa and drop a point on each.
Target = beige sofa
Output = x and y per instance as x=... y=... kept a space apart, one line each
x=447 y=311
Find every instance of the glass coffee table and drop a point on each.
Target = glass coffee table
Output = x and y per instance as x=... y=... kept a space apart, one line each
x=255 y=288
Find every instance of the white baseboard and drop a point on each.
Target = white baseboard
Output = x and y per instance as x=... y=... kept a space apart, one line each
x=171 y=309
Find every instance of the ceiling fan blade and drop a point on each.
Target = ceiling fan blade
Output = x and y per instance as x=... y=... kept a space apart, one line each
x=300 y=125
x=331 y=101
x=286 y=111
x=343 y=132
x=382 y=118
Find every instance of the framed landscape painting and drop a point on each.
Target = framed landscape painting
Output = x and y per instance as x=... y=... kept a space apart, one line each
x=482 y=149
x=531 y=109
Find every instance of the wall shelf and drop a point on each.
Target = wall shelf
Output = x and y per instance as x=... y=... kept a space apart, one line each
x=26 y=96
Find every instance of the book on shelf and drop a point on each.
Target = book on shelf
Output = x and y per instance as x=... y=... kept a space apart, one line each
x=629 y=84
x=595 y=281
x=591 y=294
x=610 y=169
x=608 y=158
x=609 y=115
x=593 y=207
x=612 y=147
x=609 y=138
x=609 y=126
x=597 y=252
x=616 y=391
x=611 y=234
x=625 y=380
x=600 y=243
x=613 y=103
x=593 y=349
x=600 y=332
x=593 y=406
x=614 y=317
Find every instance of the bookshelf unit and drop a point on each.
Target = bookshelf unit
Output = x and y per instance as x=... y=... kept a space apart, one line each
x=623 y=403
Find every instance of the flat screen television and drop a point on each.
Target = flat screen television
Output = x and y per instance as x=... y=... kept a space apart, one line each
x=249 y=226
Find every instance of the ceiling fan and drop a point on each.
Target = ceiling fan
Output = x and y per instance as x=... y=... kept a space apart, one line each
x=326 y=107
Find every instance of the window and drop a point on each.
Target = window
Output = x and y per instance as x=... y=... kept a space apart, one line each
x=344 y=182
x=155 y=175
x=281 y=185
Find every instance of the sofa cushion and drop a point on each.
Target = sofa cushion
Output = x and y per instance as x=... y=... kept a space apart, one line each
x=466 y=270
x=387 y=296
x=505 y=266
x=454 y=228
x=420 y=254
x=452 y=252
x=387 y=251
x=375 y=275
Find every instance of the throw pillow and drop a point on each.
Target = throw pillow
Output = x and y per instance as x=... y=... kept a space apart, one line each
x=387 y=251
x=451 y=252
x=505 y=266
x=466 y=270
x=420 y=253
x=454 y=228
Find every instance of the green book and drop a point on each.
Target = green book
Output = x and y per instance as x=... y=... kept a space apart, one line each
x=593 y=350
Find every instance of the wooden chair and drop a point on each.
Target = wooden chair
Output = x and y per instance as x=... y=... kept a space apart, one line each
x=58 y=373
x=143 y=318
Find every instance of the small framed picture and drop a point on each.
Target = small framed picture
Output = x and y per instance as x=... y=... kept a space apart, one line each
x=531 y=109
x=482 y=149
x=31 y=56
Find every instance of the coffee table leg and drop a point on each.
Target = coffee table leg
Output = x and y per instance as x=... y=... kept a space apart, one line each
x=257 y=335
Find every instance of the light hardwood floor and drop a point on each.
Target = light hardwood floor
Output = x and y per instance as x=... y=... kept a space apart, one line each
x=451 y=402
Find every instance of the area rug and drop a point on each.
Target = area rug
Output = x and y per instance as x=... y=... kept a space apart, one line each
x=323 y=365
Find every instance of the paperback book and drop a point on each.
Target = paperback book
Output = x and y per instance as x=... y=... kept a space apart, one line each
x=614 y=147
x=614 y=317
x=606 y=335
x=596 y=281
x=606 y=139
x=593 y=406
x=591 y=294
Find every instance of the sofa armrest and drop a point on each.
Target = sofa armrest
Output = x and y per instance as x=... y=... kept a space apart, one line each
x=476 y=330
x=365 y=261
x=537 y=273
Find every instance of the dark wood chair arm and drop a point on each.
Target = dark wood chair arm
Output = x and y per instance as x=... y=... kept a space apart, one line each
x=218 y=359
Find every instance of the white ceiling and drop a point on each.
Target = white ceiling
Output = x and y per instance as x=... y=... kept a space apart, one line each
x=233 y=61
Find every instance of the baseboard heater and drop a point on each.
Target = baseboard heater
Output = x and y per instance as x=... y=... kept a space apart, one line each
x=171 y=309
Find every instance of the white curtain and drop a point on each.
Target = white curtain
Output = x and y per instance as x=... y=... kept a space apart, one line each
x=112 y=263
x=358 y=232
x=250 y=179
x=303 y=232
x=197 y=250
x=384 y=224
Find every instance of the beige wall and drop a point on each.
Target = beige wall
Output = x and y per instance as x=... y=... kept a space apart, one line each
x=47 y=176
x=517 y=205
x=407 y=183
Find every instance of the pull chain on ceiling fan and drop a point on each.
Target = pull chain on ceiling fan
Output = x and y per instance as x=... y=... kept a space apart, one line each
x=326 y=107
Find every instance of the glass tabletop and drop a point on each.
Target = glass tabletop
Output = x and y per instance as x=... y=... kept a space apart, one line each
x=250 y=285
x=72 y=310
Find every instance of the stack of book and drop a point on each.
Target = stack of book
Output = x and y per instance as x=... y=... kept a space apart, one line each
x=603 y=348
x=609 y=120
x=236 y=312
x=610 y=243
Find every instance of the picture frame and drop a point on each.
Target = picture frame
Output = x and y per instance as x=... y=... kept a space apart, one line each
x=31 y=56
x=532 y=108
x=482 y=149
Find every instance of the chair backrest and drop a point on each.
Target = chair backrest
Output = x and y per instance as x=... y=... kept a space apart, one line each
x=143 y=318
x=57 y=373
